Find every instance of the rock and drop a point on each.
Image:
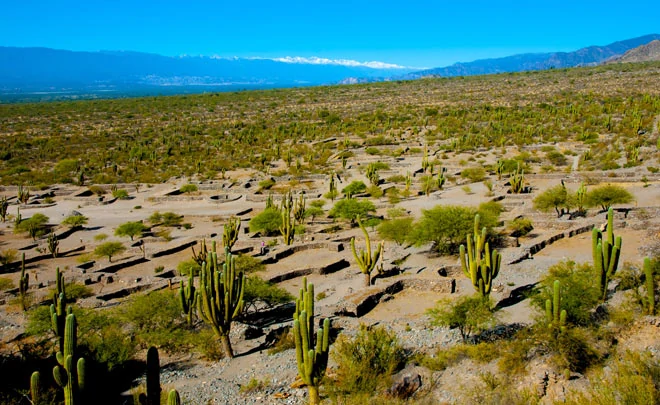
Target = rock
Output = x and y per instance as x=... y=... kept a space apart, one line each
x=405 y=384
x=252 y=332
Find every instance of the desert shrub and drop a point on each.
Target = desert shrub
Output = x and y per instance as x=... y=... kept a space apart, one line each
x=104 y=339
x=120 y=194
x=34 y=226
x=206 y=344
x=447 y=226
x=374 y=191
x=266 y=184
x=254 y=385
x=8 y=255
x=109 y=249
x=365 y=362
x=171 y=219
x=284 y=341
x=397 y=230
x=397 y=178
x=474 y=174
x=520 y=227
x=74 y=291
x=130 y=229
x=632 y=379
x=98 y=190
x=556 y=158
x=373 y=151
x=261 y=292
x=268 y=222
x=248 y=264
x=608 y=195
x=470 y=314
x=356 y=187
x=185 y=267
x=74 y=221
x=351 y=209
x=188 y=188
x=6 y=284
x=156 y=319
x=556 y=198
x=483 y=352
x=578 y=288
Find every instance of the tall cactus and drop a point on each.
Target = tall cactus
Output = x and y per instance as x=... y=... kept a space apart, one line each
x=332 y=190
x=499 y=169
x=23 y=194
x=425 y=159
x=581 y=197
x=69 y=373
x=287 y=229
x=311 y=355
x=441 y=177
x=58 y=309
x=23 y=284
x=479 y=263
x=230 y=233
x=35 y=388
x=152 y=396
x=200 y=257
x=517 y=180
x=4 y=207
x=649 y=303
x=554 y=315
x=53 y=244
x=220 y=296
x=188 y=297
x=364 y=258
x=299 y=209
x=372 y=174
x=606 y=253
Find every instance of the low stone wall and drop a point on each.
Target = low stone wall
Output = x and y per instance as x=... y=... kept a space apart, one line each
x=172 y=250
x=327 y=269
x=115 y=267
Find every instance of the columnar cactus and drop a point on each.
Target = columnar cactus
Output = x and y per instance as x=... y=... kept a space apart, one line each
x=499 y=169
x=425 y=159
x=650 y=287
x=35 y=388
x=53 y=244
x=408 y=181
x=152 y=397
x=299 y=209
x=23 y=284
x=580 y=197
x=517 y=181
x=58 y=309
x=220 y=296
x=200 y=257
x=479 y=263
x=364 y=258
x=441 y=177
x=332 y=190
x=606 y=253
x=554 y=315
x=372 y=174
x=4 y=206
x=230 y=232
x=23 y=194
x=69 y=373
x=187 y=295
x=287 y=229
x=311 y=355
x=173 y=398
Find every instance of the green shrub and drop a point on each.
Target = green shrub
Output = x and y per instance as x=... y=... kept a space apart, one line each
x=185 y=267
x=520 y=227
x=351 y=208
x=109 y=249
x=474 y=174
x=365 y=362
x=470 y=314
x=8 y=256
x=579 y=290
x=188 y=188
x=74 y=221
x=283 y=342
x=608 y=195
x=130 y=229
x=6 y=284
x=120 y=194
x=556 y=158
x=261 y=292
x=248 y=264
x=266 y=184
x=34 y=226
x=268 y=222
x=397 y=230
x=356 y=187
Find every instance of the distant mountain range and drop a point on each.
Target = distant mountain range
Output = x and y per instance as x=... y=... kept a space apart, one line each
x=33 y=74
x=589 y=56
x=644 y=53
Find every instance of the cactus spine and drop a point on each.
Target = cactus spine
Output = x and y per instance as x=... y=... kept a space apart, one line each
x=364 y=258
x=479 y=263
x=53 y=244
x=69 y=373
x=230 y=233
x=23 y=284
x=555 y=316
x=517 y=180
x=606 y=253
x=650 y=287
x=220 y=296
x=188 y=297
x=311 y=356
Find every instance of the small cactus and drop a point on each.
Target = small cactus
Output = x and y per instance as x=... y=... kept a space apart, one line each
x=365 y=259
x=4 y=206
x=441 y=177
x=173 y=398
x=517 y=181
x=53 y=244
x=152 y=396
x=188 y=298
x=299 y=209
x=35 y=388
x=499 y=169
x=58 y=309
x=606 y=253
x=69 y=373
x=311 y=355
x=554 y=315
x=230 y=233
x=23 y=284
x=203 y=252
x=287 y=229
x=479 y=263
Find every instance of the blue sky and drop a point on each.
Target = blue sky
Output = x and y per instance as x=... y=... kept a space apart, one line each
x=421 y=33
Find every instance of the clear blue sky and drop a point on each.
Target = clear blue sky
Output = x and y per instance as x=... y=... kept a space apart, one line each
x=414 y=33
